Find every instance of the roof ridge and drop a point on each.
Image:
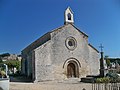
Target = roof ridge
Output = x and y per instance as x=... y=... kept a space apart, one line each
x=93 y=47
x=68 y=24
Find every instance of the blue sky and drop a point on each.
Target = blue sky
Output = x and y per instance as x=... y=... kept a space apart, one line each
x=24 y=21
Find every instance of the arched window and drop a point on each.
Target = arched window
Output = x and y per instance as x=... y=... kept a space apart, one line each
x=69 y=16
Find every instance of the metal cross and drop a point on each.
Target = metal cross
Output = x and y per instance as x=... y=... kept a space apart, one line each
x=101 y=47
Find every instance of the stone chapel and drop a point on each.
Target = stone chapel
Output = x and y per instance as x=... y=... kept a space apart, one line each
x=60 y=54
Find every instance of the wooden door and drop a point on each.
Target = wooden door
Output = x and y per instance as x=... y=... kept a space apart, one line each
x=71 y=72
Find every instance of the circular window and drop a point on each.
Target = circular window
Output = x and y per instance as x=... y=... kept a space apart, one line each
x=71 y=43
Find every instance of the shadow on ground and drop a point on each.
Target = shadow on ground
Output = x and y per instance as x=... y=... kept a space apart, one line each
x=19 y=79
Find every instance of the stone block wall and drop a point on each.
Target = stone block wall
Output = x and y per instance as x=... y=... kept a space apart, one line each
x=94 y=61
x=52 y=57
x=60 y=53
x=43 y=66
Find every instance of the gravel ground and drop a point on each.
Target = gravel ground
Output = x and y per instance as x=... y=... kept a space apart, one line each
x=49 y=86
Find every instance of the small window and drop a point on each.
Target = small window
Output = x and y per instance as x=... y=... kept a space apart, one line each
x=69 y=16
x=71 y=43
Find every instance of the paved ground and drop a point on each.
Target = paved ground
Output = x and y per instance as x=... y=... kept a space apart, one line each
x=22 y=83
x=49 y=86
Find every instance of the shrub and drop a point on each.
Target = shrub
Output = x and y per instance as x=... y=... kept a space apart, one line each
x=2 y=74
x=110 y=78
x=103 y=80
x=113 y=77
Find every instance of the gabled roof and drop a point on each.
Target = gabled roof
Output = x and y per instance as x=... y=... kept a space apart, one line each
x=93 y=47
x=70 y=9
x=57 y=29
x=80 y=30
x=40 y=41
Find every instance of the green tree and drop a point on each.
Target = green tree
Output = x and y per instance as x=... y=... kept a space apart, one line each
x=4 y=54
x=1 y=60
x=13 y=63
x=107 y=60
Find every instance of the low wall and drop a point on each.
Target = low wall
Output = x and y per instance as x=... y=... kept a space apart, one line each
x=4 y=84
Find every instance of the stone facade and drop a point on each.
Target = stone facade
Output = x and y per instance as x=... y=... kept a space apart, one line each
x=59 y=55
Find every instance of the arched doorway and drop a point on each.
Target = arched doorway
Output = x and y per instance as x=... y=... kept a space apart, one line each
x=72 y=70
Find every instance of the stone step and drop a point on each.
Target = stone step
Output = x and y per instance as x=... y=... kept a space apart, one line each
x=95 y=76
x=88 y=79
x=71 y=80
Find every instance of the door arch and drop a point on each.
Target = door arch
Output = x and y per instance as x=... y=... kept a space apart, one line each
x=75 y=66
x=72 y=70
